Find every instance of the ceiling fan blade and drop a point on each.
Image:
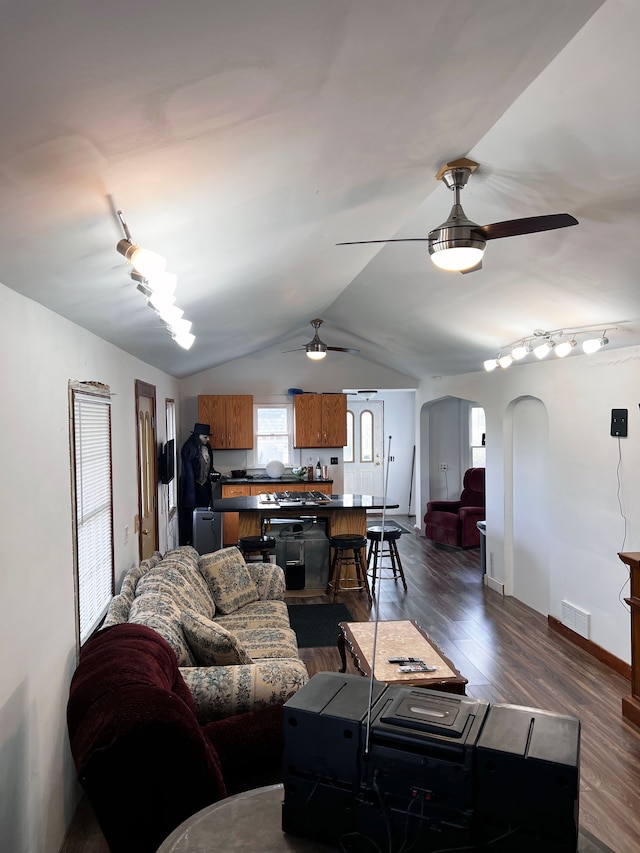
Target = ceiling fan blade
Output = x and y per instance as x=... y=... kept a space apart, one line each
x=528 y=225
x=393 y=240
x=343 y=349
x=297 y=349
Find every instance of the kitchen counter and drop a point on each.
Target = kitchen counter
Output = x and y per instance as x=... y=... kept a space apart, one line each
x=267 y=481
x=344 y=513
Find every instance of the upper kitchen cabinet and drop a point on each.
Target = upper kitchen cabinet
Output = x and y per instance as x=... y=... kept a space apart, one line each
x=230 y=417
x=320 y=420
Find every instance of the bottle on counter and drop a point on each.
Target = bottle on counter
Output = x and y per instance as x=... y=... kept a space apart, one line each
x=310 y=472
x=318 y=470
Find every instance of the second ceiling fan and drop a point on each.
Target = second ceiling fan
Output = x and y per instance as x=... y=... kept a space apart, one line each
x=317 y=349
x=458 y=244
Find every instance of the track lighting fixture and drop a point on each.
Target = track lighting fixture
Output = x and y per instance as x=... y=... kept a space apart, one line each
x=541 y=343
x=594 y=344
x=156 y=285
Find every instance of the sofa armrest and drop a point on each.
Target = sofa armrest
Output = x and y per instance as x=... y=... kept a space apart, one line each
x=223 y=691
x=269 y=580
x=469 y=518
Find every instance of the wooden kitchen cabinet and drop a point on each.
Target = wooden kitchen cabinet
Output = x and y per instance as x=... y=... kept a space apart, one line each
x=230 y=417
x=320 y=420
x=230 y=519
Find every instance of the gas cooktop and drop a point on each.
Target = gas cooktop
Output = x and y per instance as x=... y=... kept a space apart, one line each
x=294 y=498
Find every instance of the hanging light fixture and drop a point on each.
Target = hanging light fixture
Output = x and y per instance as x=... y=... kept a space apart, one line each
x=144 y=261
x=519 y=352
x=457 y=244
x=157 y=286
x=594 y=344
x=541 y=343
x=543 y=349
x=565 y=348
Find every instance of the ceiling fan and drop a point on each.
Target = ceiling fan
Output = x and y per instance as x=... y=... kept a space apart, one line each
x=458 y=244
x=317 y=349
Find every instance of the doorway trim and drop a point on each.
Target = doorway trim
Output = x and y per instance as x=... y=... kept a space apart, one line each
x=144 y=389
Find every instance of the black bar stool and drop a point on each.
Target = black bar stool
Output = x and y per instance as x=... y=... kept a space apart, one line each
x=384 y=547
x=342 y=544
x=257 y=545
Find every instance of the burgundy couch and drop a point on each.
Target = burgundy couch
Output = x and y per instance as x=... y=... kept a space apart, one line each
x=143 y=759
x=455 y=522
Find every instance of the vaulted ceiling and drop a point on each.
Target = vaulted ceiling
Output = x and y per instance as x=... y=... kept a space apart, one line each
x=243 y=139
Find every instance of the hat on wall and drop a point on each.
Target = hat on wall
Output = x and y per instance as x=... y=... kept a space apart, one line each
x=201 y=429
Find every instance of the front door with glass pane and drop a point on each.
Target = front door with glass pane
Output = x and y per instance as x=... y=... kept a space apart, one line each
x=364 y=452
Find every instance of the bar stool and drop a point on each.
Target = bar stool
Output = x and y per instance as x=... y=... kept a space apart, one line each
x=342 y=544
x=384 y=547
x=257 y=544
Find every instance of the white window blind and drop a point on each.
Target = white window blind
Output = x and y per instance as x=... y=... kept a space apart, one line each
x=93 y=502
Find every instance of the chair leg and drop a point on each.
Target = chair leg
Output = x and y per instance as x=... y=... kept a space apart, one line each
x=395 y=558
x=361 y=573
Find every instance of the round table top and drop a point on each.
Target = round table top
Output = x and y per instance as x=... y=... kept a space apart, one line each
x=244 y=823
x=252 y=821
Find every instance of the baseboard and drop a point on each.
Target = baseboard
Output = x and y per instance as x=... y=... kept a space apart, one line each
x=493 y=584
x=605 y=657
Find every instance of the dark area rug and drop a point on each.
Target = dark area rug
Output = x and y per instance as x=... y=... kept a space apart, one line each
x=316 y=625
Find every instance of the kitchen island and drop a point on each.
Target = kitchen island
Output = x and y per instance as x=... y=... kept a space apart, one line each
x=343 y=513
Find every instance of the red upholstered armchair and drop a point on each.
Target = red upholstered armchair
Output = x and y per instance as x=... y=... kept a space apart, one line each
x=454 y=522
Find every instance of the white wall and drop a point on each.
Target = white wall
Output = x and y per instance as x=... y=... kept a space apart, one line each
x=40 y=352
x=399 y=423
x=586 y=527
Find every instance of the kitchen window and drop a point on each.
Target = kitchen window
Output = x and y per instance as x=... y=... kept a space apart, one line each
x=273 y=434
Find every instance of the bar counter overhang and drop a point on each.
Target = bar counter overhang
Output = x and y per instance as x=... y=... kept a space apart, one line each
x=344 y=513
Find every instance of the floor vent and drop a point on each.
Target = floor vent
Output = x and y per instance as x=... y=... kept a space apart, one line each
x=576 y=619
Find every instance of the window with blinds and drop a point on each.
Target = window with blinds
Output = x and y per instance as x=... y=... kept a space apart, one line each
x=92 y=491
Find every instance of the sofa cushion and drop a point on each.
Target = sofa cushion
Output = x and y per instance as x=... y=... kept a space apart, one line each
x=258 y=614
x=210 y=643
x=222 y=691
x=228 y=578
x=158 y=610
x=269 y=642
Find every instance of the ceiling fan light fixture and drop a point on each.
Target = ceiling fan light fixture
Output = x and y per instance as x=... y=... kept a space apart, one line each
x=594 y=344
x=455 y=258
x=315 y=354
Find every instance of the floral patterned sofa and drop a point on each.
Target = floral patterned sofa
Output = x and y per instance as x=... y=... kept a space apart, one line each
x=226 y=621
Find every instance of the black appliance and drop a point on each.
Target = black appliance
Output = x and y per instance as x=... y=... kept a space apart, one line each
x=302 y=550
x=206 y=533
x=428 y=770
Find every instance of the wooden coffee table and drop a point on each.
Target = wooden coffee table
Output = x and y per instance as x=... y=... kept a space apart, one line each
x=403 y=638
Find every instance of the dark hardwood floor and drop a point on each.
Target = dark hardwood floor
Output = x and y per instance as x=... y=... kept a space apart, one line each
x=508 y=654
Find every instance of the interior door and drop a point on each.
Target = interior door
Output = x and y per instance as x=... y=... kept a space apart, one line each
x=147 y=473
x=365 y=474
